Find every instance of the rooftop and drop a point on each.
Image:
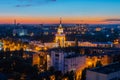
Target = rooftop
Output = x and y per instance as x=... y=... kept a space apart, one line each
x=114 y=67
x=115 y=51
x=69 y=49
x=73 y=55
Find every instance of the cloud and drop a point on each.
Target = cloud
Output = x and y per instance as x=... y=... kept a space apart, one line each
x=26 y=5
x=113 y=20
x=29 y=3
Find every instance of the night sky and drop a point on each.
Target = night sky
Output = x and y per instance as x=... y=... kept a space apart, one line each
x=49 y=11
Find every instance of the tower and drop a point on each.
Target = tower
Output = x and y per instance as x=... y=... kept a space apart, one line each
x=60 y=36
x=15 y=22
x=14 y=29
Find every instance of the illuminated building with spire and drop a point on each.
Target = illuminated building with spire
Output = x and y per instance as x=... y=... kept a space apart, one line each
x=60 y=36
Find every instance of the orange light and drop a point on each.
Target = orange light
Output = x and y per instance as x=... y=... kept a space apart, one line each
x=89 y=63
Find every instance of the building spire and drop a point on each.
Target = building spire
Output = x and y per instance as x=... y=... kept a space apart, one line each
x=60 y=20
x=14 y=21
x=60 y=23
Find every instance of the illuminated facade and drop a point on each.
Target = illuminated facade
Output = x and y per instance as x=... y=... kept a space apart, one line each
x=40 y=59
x=60 y=36
x=11 y=45
x=117 y=43
x=71 y=61
x=92 y=60
x=109 y=72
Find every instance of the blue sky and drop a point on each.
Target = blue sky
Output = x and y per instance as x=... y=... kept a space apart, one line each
x=107 y=9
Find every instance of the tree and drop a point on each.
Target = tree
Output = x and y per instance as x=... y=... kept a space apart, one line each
x=58 y=75
x=83 y=76
x=98 y=64
x=70 y=75
x=52 y=69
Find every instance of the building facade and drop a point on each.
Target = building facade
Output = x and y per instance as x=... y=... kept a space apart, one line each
x=109 y=72
x=57 y=60
x=60 y=36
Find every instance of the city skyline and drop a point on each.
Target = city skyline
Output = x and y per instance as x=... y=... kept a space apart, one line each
x=49 y=11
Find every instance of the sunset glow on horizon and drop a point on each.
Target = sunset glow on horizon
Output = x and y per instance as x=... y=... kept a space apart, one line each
x=47 y=20
x=49 y=11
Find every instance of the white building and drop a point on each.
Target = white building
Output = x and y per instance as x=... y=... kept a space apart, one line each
x=57 y=60
x=51 y=45
x=86 y=44
x=109 y=72
x=66 y=61
x=20 y=32
x=103 y=44
x=69 y=43
x=90 y=44
x=44 y=45
x=74 y=62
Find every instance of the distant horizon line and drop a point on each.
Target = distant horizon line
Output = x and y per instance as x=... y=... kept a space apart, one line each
x=58 y=23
